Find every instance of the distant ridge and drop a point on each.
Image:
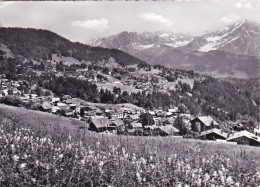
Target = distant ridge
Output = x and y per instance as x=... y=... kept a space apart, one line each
x=38 y=43
x=232 y=51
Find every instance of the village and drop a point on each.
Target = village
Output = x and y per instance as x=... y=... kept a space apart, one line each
x=127 y=119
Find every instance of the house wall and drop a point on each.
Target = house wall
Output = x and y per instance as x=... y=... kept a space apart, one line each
x=195 y=127
x=212 y=136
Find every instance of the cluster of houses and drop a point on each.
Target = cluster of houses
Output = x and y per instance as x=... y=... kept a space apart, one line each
x=126 y=120
x=208 y=128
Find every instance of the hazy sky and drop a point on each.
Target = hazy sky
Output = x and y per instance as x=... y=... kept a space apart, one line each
x=82 y=21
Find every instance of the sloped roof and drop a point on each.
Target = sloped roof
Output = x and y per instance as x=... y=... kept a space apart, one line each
x=100 y=122
x=244 y=133
x=207 y=120
x=173 y=110
x=216 y=131
x=169 y=129
x=46 y=106
x=137 y=125
x=117 y=122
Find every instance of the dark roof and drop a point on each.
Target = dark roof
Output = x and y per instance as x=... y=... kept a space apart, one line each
x=169 y=129
x=117 y=122
x=100 y=122
x=206 y=120
x=214 y=131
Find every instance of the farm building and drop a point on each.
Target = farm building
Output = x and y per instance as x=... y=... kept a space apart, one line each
x=203 y=123
x=168 y=130
x=136 y=125
x=213 y=134
x=46 y=107
x=244 y=138
x=99 y=124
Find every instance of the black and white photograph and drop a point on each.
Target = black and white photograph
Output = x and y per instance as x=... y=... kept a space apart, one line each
x=130 y=93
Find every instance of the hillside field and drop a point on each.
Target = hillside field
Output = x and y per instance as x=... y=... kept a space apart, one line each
x=39 y=119
x=47 y=157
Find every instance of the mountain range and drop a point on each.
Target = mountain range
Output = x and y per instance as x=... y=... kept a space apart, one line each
x=232 y=51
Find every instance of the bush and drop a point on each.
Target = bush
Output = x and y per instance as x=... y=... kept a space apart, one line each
x=11 y=100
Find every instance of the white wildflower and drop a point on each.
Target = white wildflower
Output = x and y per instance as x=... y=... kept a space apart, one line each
x=22 y=166
x=16 y=158
x=206 y=177
x=33 y=180
x=101 y=164
x=143 y=161
x=139 y=179
x=82 y=162
x=61 y=156
x=229 y=180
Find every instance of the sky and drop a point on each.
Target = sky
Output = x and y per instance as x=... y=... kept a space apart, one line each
x=83 y=21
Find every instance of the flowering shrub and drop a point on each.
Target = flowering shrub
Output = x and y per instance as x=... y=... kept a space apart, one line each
x=36 y=158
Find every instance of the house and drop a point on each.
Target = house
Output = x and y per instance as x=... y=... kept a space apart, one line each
x=55 y=99
x=213 y=134
x=117 y=122
x=46 y=107
x=244 y=138
x=203 y=123
x=168 y=130
x=136 y=125
x=174 y=110
x=99 y=124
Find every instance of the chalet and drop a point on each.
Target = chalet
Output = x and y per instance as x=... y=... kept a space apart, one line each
x=244 y=138
x=174 y=110
x=55 y=109
x=55 y=99
x=33 y=96
x=46 y=107
x=200 y=124
x=99 y=124
x=135 y=117
x=73 y=106
x=117 y=122
x=168 y=130
x=213 y=134
x=136 y=125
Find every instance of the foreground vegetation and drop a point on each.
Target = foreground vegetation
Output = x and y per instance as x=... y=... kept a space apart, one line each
x=53 y=157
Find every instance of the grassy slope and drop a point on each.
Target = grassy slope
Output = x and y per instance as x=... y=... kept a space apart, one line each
x=166 y=145
x=39 y=119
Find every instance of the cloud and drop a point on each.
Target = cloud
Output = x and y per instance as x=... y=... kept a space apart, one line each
x=96 y=24
x=238 y=5
x=248 y=5
x=229 y=18
x=156 y=18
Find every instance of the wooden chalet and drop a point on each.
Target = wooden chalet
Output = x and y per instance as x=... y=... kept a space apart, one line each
x=168 y=130
x=203 y=123
x=213 y=134
x=244 y=138
x=99 y=124
x=46 y=107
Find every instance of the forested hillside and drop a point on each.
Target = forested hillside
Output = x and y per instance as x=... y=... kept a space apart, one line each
x=41 y=44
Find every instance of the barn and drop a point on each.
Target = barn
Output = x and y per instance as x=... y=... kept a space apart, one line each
x=213 y=134
x=203 y=123
x=244 y=138
x=99 y=124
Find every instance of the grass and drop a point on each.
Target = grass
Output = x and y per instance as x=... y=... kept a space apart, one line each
x=37 y=119
x=56 y=157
